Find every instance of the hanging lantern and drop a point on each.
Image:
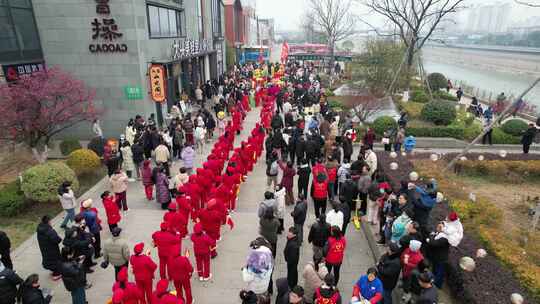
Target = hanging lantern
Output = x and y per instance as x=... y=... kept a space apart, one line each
x=393 y=166
x=467 y=263
x=413 y=176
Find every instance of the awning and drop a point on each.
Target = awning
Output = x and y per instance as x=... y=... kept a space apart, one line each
x=172 y=61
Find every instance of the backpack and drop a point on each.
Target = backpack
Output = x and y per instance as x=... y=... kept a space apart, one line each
x=319 y=299
x=273 y=169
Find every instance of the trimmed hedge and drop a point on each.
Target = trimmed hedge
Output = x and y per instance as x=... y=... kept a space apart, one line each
x=419 y=96
x=83 y=161
x=12 y=200
x=500 y=137
x=439 y=112
x=40 y=183
x=514 y=127
x=69 y=145
x=437 y=81
x=444 y=96
x=450 y=131
x=414 y=109
x=384 y=123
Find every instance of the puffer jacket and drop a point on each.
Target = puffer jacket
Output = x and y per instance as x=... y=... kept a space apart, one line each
x=269 y=203
x=118 y=182
x=68 y=200
x=9 y=281
x=116 y=251
x=313 y=279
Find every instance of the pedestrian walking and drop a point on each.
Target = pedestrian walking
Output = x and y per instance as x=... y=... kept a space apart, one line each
x=299 y=214
x=269 y=228
x=335 y=251
x=287 y=181
x=167 y=244
x=163 y=157
x=116 y=251
x=202 y=246
x=93 y=223
x=313 y=274
x=30 y=293
x=163 y=195
x=292 y=256
x=328 y=293
x=147 y=180
x=9 y=284
x=138 y=157
x=319 y=193
x=334 y=217
x=188 y=156
x=74 y=276
x=319 y=233
x=48 y=241
x=279 y=195
x=128 y=165
x=272 y=170
x=528 y=137
x=68 y=201
x=129 y=291
x=119 y=184
x=388 y=269
x=200 y=138
x=304 y=171
x=143 y=270
x=5 y=250
x=111 y=210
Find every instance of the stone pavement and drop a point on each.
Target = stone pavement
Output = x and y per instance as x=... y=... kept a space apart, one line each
x=144 y=218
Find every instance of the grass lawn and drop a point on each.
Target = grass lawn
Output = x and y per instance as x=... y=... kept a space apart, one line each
x=20 y=227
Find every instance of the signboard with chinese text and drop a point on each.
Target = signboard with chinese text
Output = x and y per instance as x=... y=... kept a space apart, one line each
x=133 y=93
x=105 y=31
x=12 y=72
x=157 y=83
x=189 y=47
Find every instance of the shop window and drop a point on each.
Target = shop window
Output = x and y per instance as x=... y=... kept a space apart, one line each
x=19 y=39
x=216 y=18
x=165 y=22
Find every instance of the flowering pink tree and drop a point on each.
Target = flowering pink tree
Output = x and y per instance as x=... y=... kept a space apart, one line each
x=39 y=106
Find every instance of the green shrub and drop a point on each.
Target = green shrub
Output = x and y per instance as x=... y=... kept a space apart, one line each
x=69 y=145
x=419 y=96
x=384 y=123
x=439 y=112
x=414 y=109
x=12 y=199
x=514 y=127
x=83 y=161
x=500 y=137
x=329 y=93
x=97 y=144
x=437 y=81
x=472 y=131
x=451 y=131
x=40 y=183
x=444 y=96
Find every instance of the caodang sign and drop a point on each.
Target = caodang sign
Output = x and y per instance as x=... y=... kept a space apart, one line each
x=105 y=29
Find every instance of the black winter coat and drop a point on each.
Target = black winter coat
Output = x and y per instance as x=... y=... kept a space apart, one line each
x=73 y=275
x=292 y=251
x=299 y=213
x=5 y=243
x=349 y=191
x=347 y=148
x=303 y=175
x=319 y=233
x=138 y=153
x=389 y=268
x=34 y=296
x=48 y=241
x=300 y=148
x=9 y=281
x=437 y=250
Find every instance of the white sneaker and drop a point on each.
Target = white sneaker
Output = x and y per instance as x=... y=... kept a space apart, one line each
x=209 y=277
x=201 y=279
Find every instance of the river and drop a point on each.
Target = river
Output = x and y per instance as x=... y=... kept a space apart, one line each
x=491 y=75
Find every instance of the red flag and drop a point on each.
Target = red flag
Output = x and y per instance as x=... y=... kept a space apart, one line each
x=230 y=222
x=284 y=52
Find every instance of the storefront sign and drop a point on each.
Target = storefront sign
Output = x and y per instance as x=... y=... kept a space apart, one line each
x=157 y=83
x=133 y=93
x=12 y=72
x=189 y=47
x=107 y=30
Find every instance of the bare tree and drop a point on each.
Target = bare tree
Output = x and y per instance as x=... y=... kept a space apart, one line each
x=307 y=25
x=531 y=3
x=414 y=20
x=335 y=19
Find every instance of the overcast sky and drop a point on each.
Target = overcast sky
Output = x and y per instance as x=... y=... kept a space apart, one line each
x=288 y=13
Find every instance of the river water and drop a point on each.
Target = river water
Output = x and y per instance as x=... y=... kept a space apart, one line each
x=489 y=81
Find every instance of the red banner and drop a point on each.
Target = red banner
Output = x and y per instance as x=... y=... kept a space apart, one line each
x=284 y=52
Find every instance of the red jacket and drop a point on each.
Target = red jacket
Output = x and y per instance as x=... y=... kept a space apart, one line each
x=167 y=243
x=202 y=243
x=162 y=295
x=176 y=221
x=317 y=169
x=210 y=220
x=132 y=294
x=336 y=250
x=320 y=189
x=414 y=259
x=112 y=211
x=143 y=267
x=332 y=174
x=180 y=269
x=184 y=205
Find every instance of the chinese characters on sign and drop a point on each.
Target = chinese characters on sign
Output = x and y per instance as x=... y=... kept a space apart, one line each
x=133 y=93
x=157 y=82
x=14 y=71
x=106 y=29
x=189 y=47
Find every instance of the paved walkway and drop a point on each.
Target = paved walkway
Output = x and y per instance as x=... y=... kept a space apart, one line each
x=144 y=218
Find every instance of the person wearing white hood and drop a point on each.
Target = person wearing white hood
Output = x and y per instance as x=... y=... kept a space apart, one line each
x=343 y=171
x=259 y=267
x=438 y=244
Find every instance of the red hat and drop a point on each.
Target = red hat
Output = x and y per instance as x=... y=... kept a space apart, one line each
x=118 y=296
x=162 y=286
x=138 y=248
x=172 y=206
x=197 y=228
x=164 y=226
x=122 y=275
x=453 y=216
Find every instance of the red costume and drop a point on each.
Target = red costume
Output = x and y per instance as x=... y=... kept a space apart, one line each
x=180 y=272
x=131 y=294
x=143 y=270
x=147 y=181
x=163 y=296
x=177 y=221
x=112 y=211
x=202 y=245
x=167 y=244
